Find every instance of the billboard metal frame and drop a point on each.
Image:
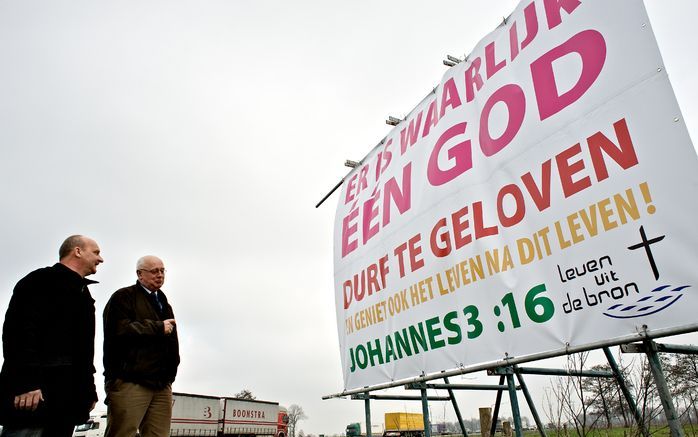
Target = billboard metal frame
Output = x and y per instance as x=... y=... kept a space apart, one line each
x=507 y=372
x=643 y=335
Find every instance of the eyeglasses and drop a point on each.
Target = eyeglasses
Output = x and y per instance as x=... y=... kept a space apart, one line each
x=154 y=271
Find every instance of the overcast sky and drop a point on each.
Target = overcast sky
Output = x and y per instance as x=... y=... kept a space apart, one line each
x=205 y=132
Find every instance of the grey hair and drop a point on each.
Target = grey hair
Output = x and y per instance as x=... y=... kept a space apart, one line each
x=142 y=261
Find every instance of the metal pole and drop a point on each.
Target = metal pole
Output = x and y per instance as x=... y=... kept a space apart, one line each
x=531 y=404
x=497 y=403
x=514 y=405
x=634 y=348
x=367 y=407
x=620 y=379
x=677 y=349
x=461 y=386
x=457 y=410
x=339 y=184
x=425 y=413
x=663 y=389
x=403 y=397
x=564 y=372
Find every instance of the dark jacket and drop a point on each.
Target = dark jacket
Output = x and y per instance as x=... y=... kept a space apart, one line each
x=136 y=348
x=48 y=344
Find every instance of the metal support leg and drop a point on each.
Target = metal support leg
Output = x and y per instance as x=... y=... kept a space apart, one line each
x=514 y=404
x=531 y=404
x=672 y=418
x=367 y=407
x=497 y=403
x=425 y=412
x=620 y=379
x=456 y=410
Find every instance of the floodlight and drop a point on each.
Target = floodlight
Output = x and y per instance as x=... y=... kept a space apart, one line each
x=392 y=121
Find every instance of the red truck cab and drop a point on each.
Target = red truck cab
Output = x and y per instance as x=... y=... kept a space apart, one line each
x=282 y=423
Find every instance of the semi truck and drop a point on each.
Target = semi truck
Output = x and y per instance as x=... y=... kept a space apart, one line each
x=404 y=425
x=356 y=430
x=396 y=425
x=200 y=416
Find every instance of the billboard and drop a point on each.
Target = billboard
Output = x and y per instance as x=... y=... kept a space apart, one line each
x=541 y=197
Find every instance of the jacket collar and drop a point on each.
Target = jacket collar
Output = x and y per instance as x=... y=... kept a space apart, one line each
x=72 y=274
x=148 y=291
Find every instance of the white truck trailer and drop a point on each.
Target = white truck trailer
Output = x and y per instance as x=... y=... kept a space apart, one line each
x=197 y=415
x=210 y=416
x=250 y=417
x=194 y=415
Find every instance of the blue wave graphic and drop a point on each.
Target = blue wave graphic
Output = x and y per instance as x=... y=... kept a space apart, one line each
x=657 y=300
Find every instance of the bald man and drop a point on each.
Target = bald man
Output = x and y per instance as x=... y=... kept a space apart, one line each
x=47 y=380
x=141 y=355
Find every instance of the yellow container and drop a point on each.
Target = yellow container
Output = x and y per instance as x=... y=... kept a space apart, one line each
x=404 y=422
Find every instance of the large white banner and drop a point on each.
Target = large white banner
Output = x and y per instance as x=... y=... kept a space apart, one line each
x=542 y=196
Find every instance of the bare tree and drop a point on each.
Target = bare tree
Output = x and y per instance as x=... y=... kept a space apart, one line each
x=605 y=397
x=569 y=401
x=646 y=392
x=682 y=377
x=599 y=390
x=245 y=394
x=620 y=402
x=583 y=404
x=553 y=407
x=575 y=399
x=295 y=414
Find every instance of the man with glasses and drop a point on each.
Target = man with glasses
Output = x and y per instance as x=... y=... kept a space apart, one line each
x=47 y=380
x=141 y=355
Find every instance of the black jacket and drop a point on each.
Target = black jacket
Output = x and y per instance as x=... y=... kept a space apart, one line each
x=136 y=348
x=48 y=344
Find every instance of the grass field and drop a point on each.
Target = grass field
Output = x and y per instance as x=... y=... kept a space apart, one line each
x=655 y=431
